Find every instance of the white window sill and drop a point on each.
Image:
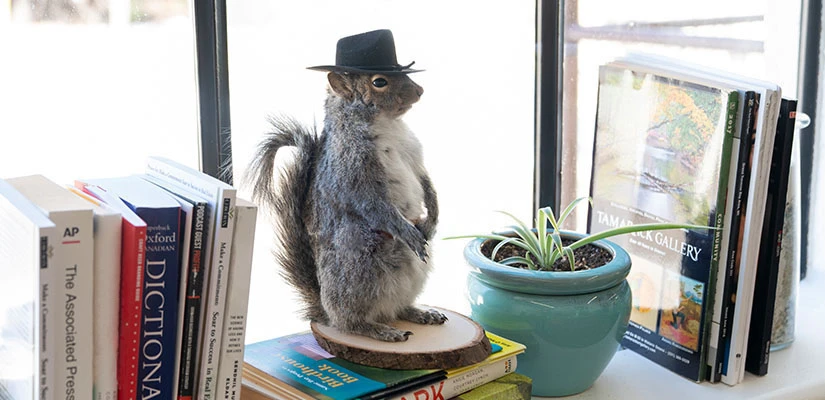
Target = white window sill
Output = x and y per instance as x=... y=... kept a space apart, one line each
x=797 y=372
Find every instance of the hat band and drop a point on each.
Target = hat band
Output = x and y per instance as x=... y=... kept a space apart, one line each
x=396 y=67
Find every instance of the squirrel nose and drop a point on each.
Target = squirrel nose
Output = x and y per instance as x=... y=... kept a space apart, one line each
x=419 y=90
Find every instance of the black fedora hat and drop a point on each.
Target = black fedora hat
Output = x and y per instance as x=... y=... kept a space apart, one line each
x=368 y=52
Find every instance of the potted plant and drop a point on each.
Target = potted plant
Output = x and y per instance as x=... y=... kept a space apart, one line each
x=562 y=294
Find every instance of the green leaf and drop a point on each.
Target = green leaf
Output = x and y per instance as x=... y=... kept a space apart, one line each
x=632 y=229
x=500 y=245
x=547 y=212
x=550 y=245
x=541 y=233
x=571 y=258
x=525 y=233
x=552 y=258
x=519 y=260
x=570 y=207
x=492 y=236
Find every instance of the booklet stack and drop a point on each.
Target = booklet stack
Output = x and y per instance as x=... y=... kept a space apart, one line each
x=679 y=142
x=295 y=367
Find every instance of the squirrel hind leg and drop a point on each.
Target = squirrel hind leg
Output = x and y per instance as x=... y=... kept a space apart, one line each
x=375 y=330
x=423 y=317
x=316 y=313
x=362 y=320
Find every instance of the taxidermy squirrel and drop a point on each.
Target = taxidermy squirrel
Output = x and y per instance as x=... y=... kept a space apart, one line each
x=355 y=209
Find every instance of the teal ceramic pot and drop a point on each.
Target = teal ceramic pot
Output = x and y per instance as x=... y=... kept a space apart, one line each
x=571 y=322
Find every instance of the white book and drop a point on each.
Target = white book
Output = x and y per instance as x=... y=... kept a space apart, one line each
x=107 y=247
x=234 y=327
x=26 y=333
x=221 y=199
x=74 y=282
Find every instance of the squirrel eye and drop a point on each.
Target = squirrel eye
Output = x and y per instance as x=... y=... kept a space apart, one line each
x=379 y=82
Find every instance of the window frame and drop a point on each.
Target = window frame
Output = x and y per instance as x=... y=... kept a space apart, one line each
x=808 y=88
x=212 y=70
x=215 y=140
x=548 y=110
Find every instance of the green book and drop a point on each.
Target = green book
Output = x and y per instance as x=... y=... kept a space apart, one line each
x=509 y=387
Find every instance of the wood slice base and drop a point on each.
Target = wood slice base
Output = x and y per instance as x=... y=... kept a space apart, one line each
x=458 y=342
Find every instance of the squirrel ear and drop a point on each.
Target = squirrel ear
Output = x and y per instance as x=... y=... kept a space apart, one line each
x=340 y=85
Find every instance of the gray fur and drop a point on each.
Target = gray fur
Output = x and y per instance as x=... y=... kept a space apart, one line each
x=355 y=209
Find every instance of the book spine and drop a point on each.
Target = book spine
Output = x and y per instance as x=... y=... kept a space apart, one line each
x=185 y=250
x=234 y=328
x=216 y=294
x=511 y=386
x=133 y=260
x=719 y=214
x=158 y=327
x=72 y=311
x=761 y=325
x=755 y=209
x=107 y=259
x=47 y=334
x=192 y=302
x=726 y=282
x=453 y=386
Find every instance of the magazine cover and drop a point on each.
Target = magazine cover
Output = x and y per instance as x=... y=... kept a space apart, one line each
x=662 y=154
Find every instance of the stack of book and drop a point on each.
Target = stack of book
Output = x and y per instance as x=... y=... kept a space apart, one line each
x=123 y=288
x=678 y=142
x=295 y=367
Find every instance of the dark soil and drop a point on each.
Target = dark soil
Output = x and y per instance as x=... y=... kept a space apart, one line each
x=587 y=257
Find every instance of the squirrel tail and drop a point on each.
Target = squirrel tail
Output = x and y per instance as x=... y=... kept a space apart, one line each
x=286 y=201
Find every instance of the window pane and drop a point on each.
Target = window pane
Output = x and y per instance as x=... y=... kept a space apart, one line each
x=757 y=39
x=475 y=119
x=91 y=88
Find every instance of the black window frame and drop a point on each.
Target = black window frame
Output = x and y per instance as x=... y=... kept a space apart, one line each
x=212 y=69
x=214 y=112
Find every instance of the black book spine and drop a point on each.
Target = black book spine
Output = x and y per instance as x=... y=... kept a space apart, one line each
x=194 y=288
x=761 y=324
x=743 y=167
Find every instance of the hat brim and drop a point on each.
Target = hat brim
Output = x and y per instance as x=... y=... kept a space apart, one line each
x=338 y=68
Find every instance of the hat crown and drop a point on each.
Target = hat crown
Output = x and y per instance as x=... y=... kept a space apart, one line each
x=369 y=50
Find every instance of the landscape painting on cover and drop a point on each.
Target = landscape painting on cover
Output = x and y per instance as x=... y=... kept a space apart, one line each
x=658 y=150
x=681 y=313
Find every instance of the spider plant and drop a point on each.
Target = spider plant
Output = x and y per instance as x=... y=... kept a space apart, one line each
x=546 y=246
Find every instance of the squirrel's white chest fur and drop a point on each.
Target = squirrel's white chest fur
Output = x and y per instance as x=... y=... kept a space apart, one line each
x=401 y=156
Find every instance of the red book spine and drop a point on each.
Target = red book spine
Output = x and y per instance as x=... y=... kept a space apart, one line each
x=133 y=259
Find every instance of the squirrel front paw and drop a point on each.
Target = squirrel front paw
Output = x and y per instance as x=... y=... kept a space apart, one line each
x=415 y=240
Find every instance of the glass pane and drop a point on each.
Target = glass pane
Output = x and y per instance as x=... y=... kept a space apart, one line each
x=89 y=89
x=757 y=39
x=475 y=119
